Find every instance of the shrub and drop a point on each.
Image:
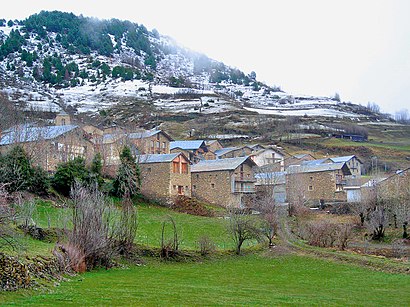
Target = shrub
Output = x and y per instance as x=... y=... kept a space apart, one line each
x=69 y=172
x=206 y=245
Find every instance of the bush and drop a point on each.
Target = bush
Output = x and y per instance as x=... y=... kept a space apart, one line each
x=17 y=172
x=69 y=172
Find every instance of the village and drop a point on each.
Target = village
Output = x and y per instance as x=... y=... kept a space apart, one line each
x=204 y=169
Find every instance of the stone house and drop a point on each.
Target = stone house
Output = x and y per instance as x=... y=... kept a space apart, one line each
x=316 y=183
x=225 y=182
x=48 y=146
x=396 y=188
x=352 y=162
x=298 y=159
x=164 y=176
x=213 y=145
x=268 y=156
x=150 y=141
x=233 y=152
x=195 y=150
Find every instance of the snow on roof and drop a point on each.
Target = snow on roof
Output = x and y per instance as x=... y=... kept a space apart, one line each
x=219 y=164
x=295 y=169
x=27 y=133
x=157 y=158
x=186 y=145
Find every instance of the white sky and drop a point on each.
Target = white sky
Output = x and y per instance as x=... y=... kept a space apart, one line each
x=360 y=49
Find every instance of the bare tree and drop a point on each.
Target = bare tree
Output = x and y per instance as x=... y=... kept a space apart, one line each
x=7 y=235
x=402 y=116
x=265 y=203
x=242 y=227
x=125 y=231
x=89 y=243
x=169 y=247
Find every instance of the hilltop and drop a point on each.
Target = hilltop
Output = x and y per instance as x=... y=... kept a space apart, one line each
x=54 y=60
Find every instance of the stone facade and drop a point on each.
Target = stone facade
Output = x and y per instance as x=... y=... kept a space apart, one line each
x=151 y=142
x=268 y=156
x=312 y=187
x=165 y=177
x=47 y=152
x=224 y=186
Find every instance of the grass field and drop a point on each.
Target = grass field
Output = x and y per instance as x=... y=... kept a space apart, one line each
x=246 y=280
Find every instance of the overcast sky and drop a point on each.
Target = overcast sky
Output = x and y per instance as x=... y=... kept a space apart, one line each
x=360 y=49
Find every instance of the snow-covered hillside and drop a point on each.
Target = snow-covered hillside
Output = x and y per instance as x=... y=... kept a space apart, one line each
x=46 y=73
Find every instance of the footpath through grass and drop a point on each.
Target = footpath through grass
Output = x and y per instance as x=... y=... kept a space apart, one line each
x=246 y=280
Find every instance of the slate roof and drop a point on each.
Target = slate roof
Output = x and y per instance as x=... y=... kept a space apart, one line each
x=342 y=159
x=219 y=164
x=300 y=156
x=27 y=133
x=315 y=162
x=186 y=145
x=295 y=169
x=223 y=151
x=147 y=133
x=157 y=158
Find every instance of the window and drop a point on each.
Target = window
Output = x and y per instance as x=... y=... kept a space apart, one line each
x=175 y=167
x=310 y=188
x=184 y=168
x=311 y=178
x=149 y=170
x=63 y=121
x=180 y=190
x=197 y=176
x=212 y=185
x=194 y=187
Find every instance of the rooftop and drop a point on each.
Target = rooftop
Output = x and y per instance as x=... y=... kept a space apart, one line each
x=27 y=133
x=157 y=158
x=296 y=169
x=187 y=145
x=219 y=164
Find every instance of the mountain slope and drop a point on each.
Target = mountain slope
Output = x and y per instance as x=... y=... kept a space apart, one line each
x=55 y=60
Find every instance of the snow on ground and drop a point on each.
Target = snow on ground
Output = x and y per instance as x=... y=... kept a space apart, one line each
x=302 y=112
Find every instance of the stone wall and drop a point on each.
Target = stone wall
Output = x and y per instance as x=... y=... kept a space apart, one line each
x=160 y=183
x=155 y=180
x=213 y=187
x=313 y=187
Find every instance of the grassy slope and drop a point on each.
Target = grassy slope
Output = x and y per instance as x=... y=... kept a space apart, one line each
x=247 y=280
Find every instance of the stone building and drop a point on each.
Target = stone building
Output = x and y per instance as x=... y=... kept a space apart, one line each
x=164 y=176
x=352 y=162
x=268 y=156
x=316 y=183
x=213 y=145
x=233 y=152
x=195 y=150
x=396 y=188
x=225 y=182
x=150 y=141
x=48 y=146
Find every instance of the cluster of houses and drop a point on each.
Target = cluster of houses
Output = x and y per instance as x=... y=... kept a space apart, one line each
x=204 y=169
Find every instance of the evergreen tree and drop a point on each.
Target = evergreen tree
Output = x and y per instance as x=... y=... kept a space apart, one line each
x=128 y=180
